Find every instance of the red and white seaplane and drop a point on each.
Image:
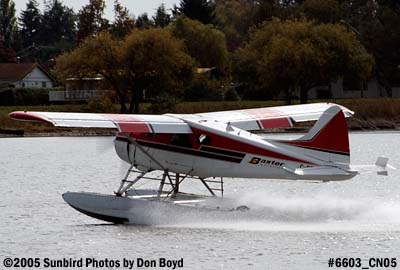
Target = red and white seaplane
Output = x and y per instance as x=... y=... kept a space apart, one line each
x=210 y=146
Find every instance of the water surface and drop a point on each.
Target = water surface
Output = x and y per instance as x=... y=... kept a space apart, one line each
x=302 y=225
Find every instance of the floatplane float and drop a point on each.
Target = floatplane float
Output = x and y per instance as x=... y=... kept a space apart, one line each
x=208 y=147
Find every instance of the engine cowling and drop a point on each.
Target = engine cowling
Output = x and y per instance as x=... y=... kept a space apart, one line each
x=122 y=149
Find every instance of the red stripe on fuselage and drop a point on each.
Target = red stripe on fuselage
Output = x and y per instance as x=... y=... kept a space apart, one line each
x=236 y=145
x=216 y=140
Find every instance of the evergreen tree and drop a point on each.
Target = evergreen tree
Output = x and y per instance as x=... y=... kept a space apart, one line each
x=123 y=23
x=143 y=21
x=58 y=24
x=201 y=10
x=162 y=18
x=30 y=22
x=91 y=21
x=8 y=22
x=7 y=55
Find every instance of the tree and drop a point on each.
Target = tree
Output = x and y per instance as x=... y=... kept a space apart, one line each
x=266 y=9
x=98 y=55
x=31 y=23
x=58 y=25
x=8 y=22
x=162 y=18
x=377 y=26
x=148 y=60
x=155 y=63
x=234 y=18
x=322 y=11
x=204 y=43
x=200 y=10
x=91 y=21
x=7 y=55
x=143 y=21
x=123 y=23
x=297 y=55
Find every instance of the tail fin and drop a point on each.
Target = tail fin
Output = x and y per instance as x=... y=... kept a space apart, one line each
x=328 y=139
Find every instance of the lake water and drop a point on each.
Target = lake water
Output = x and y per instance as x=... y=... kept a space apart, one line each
x=305 y=224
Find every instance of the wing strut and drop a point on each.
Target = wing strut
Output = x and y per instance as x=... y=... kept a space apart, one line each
x=146 y=153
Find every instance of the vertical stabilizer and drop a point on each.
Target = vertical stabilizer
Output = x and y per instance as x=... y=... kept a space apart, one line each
x=328 y=139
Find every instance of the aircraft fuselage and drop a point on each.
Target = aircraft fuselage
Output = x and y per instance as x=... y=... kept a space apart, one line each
x=209 y=155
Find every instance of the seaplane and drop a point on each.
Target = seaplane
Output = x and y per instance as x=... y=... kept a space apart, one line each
x=208 y=147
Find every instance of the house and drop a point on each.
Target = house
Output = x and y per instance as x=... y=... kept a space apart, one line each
x=25 y=75
x=342 y=89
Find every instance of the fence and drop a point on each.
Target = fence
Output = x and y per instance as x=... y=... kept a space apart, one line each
x=74 y=95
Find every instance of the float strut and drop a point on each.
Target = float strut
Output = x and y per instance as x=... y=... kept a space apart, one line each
x=176 y=187
x=122 y=188
x=160 y=189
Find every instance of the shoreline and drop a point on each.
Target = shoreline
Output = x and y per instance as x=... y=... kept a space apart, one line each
x=370 y=115
x=73 y=132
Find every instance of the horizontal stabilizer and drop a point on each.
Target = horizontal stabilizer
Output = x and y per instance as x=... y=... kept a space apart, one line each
x=381 y=167
x=382 y=162
x=323 y=173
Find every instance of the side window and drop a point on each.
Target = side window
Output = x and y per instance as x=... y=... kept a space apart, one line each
x=181 y=140
x=203 y=139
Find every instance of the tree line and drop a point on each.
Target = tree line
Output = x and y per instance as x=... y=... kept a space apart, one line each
x=256 y=49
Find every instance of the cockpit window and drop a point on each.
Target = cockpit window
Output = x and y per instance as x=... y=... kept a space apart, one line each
x=204 y=139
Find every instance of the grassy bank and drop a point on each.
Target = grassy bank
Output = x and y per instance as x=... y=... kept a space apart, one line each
x=369 y=113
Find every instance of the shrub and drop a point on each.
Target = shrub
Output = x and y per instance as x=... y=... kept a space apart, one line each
x=203 y=89
x=231 y=95
x=6 y=97
x=24 y=96
x=103 y=104
x=162 y=104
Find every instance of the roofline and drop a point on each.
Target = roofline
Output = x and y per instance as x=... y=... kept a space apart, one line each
x=38 y=65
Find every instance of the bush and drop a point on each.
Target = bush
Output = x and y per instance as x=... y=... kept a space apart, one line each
x=6 y=97
x=103 y=104
x=203 y=89
x=231 y=95
x=162 y=104
x=24 y=96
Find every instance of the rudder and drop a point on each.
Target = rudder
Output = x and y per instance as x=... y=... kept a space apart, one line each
x=328 y=139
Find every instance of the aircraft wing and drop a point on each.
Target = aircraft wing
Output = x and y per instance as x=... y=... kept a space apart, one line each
x=122 y=122
x=270 y=117
x=250 y=119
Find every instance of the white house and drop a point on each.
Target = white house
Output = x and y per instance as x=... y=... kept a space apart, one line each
x=25 y=75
